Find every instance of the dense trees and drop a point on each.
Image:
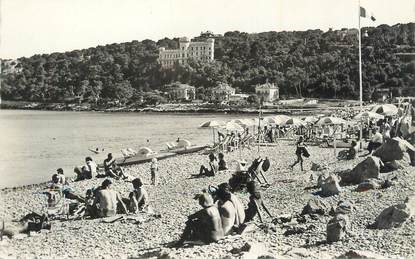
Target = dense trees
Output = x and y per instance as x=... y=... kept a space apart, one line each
x=309 y=63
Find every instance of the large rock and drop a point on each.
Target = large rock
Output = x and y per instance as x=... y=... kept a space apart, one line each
x=337 y=228
x=368 y=168
x=393 y=149
x=330 y=186
x=356 y=254
x=396 y=215
x=315 y=206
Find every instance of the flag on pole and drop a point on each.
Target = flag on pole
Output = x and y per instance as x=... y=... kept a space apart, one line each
x=363 y=14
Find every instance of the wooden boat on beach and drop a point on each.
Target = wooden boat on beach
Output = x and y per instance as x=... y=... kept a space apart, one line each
x=187 y=150
x=183 y=147
x=143 y=155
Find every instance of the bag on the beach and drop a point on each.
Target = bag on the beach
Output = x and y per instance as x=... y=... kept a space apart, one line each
x=305 y=152
x=266 y=164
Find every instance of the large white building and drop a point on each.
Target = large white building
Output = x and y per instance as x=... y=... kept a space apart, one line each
x=203 y=50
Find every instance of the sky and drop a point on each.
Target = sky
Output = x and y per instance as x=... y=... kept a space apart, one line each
x=31 y=27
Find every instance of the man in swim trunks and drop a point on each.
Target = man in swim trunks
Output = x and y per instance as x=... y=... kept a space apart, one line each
x=106 y=200
x=240 y=211
x=204 y=225
x=111 y=168
x=227 y=211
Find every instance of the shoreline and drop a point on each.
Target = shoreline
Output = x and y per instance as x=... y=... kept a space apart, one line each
x=174 y=108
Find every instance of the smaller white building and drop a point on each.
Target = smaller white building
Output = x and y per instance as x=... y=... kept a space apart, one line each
x=267 y=92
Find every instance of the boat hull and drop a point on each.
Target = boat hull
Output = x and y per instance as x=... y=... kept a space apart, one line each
x=139 y=159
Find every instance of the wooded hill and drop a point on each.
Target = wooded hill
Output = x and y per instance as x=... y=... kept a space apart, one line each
x=309 y=63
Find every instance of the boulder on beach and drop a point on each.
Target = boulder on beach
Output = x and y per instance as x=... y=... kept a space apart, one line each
x=356 y=254
x=314 y=206
x=337 y=228
x=330 y=186
x=396 y=215
x=393 y=149
x=368 y=168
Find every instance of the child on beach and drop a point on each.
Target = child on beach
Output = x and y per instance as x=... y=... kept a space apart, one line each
x=154 y=169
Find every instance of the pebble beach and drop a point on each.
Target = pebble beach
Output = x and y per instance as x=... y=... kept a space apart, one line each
x=172 y=198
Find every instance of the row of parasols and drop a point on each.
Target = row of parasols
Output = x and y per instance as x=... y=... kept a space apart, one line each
x=377 y=112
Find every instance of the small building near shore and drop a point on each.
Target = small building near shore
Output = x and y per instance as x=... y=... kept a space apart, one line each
x=222 y=92
x=180 y=92
x=267 y=92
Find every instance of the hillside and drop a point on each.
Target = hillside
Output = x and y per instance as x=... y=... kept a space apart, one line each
x=309 y=63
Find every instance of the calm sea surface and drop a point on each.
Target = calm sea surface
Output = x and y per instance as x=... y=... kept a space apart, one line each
x=33 y=144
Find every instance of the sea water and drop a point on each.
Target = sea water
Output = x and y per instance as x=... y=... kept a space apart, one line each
x=33 y=144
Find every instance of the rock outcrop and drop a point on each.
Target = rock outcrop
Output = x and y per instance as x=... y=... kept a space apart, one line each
x=396 y=215
x=393 y=149
x=368 y=168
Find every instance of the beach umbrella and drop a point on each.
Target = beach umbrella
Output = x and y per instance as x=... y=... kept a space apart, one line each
x=212 y=124
x=232 y=126
x=243 y=122
x=295 y=122
x=310 y=119
x=331 y=121
x=277 y=120
x=368 y=115
x=385 y=109
x=282 y=117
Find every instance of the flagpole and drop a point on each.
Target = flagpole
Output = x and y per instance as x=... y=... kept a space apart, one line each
x=360 y=80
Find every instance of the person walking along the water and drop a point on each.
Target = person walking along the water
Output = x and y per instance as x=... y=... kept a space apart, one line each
x=154 y=169
x=300 y=152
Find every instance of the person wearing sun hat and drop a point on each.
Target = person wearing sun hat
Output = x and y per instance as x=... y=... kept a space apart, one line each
x=204 y=225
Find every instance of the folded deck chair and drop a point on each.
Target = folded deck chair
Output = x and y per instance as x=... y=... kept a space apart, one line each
x=128 y=152
x=171 y=145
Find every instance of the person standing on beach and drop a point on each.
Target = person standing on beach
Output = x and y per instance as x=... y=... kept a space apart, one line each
x=107 y=200
x=154 y=171
x=299 y=152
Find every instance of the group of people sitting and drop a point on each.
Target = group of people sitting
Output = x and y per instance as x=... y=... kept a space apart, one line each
x=101 y=201
x=91 y=169
x=222 y=214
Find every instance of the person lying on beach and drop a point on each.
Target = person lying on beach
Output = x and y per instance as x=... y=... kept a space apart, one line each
x=35 y=222
x=350 y=153
x=205 y=225
x=55 y=185
x=222 y=163
x=211 y=169
x=255 y=203
x=80 y=172
x=112 y=169
x=138 y=197
x=106 y=200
